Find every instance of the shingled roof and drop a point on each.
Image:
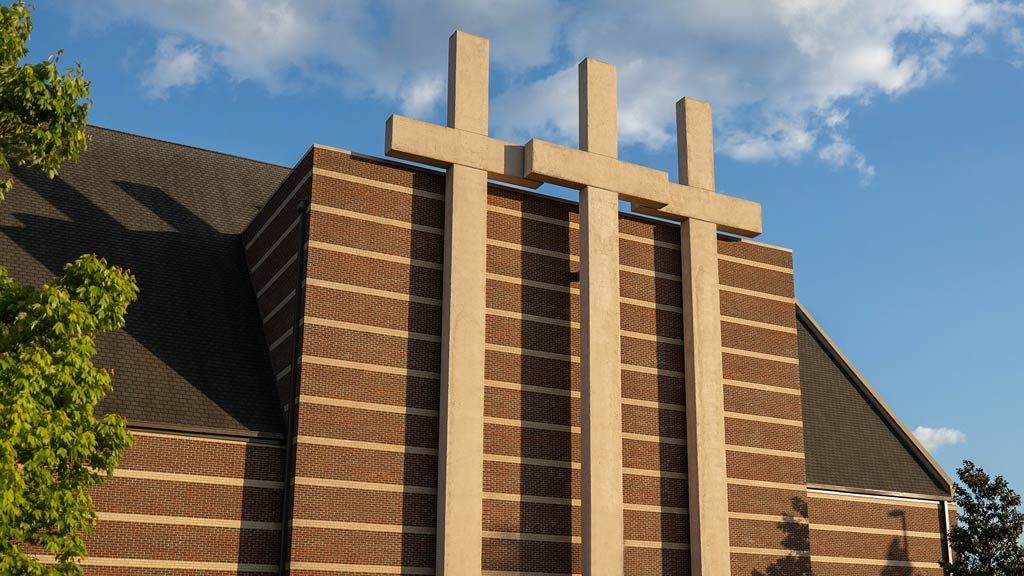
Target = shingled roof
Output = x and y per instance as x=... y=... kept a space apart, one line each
x=192 y=354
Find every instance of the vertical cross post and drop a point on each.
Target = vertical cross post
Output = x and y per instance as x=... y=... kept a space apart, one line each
x=602 y=515
x=463 y=323
x=702 y=343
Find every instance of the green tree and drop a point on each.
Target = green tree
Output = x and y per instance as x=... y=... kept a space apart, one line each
x=987 y=537
x=52 y=447
x=43 y=111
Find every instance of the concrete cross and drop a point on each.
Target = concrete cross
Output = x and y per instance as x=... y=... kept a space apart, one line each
x=603 y=180
x=470 y=157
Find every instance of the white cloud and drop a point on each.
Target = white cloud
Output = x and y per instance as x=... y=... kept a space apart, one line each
x=173 y=64
x=935 y=438
x=781 y=73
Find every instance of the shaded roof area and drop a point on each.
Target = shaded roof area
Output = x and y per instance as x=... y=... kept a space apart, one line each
x=192 y=351
x=851 y=440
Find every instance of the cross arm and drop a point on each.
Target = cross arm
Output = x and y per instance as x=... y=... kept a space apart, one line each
x=728 y=213
x=441 y=146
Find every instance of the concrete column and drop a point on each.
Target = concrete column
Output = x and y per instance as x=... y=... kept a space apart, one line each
x=702 y=344
x=461 y=441
x=601 y=420
x=602 y=515
x=463 y=324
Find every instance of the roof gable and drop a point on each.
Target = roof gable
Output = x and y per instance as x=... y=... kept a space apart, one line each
x=852 y=439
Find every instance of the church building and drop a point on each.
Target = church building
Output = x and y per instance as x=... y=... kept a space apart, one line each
x=420 y=365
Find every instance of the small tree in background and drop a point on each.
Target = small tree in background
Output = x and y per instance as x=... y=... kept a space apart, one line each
x=52 y=447
x=43 y=111
x=987 y=537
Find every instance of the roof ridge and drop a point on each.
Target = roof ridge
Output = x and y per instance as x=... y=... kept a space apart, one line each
x=199 y=148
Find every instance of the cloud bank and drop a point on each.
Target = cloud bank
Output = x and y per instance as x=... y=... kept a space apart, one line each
x=782 y=74
x=935 y=438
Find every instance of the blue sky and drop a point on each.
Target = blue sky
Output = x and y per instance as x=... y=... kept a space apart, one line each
x=885 y=140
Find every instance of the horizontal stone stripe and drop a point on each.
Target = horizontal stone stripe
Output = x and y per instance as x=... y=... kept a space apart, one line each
x=760 y=355
x=357 y=485
x=277 y=308
x=785 y=519
x=656 y=508
x=531 y=461
x=377 y=184
x=391 y=408
x=277 y=211
x=284 y=267
x=650 y=438
x=756 y=324
x=186 y=521
x=654 y=404
x=531 y=388
x=516 y=423
x=895 y=501
x=294 y=567
x=341 y=286
x=659 y=473
x=766 y=451
x=531 y=537
x=880 y=531
x=143 y=563
x=306 y=359
x=659 y=545
x=280 y=339
x=757 y=293
x=375 y=219
x=766 y=484
x=196 y=478
x=532 y=318
x=270 y=249
x=379 y=446
x=508 y=497
x=769 y=551
x=313 y=321
x=284 y=372
x=754 y=263
x=374 y=255
x=873 y=562
x=360 y=526
x=765 y=419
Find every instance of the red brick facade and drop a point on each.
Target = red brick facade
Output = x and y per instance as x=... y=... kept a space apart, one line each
x=346 y=262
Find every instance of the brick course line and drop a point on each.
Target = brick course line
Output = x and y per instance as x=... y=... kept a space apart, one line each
x=651 y=438
x=755 y=324
x=754 y=263
x=874 y=562
x=770 y=552
x=377 y=184
x=766 y=451
x=371 y=291
x=325 y=401
x=517 y=423
x=358 y=568
x=314 y=321
x=287 y=370
x=306 y=359
x=651 y=337
x=374 y=255
x=272 y=247
x=532 y=318
x=375 y=219
x=356 y=485
x=361 y=526
x=873 y=499
x=768 y=518
x=766 y=484
x=278 y=210
x=337 y=442
x=203 y=439
x=764 y=387
x=279 y=306
x=187 y=521
x=533 y=353
x=196 y=478
x=277 y=275
x=656 y=306
x=654 y=371
x=532 y=283
x=167 y=564
x=652 y=273
x=766 y=419
x=760 y=355
x=757 y=294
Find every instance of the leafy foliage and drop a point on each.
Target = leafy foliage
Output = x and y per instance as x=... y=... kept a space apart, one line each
x=52 y=447
x=43 y=112
x=987 y=537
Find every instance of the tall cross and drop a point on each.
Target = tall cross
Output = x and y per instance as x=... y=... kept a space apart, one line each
x=603 y=180
x=471 y=157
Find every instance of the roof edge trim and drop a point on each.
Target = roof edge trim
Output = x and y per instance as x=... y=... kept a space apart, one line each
x=873 y=396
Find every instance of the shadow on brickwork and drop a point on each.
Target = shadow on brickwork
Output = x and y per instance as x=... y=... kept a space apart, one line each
x=196 y=315
x=796 y=539
x=552 y=482
x=899 y=549
x=261 y=504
